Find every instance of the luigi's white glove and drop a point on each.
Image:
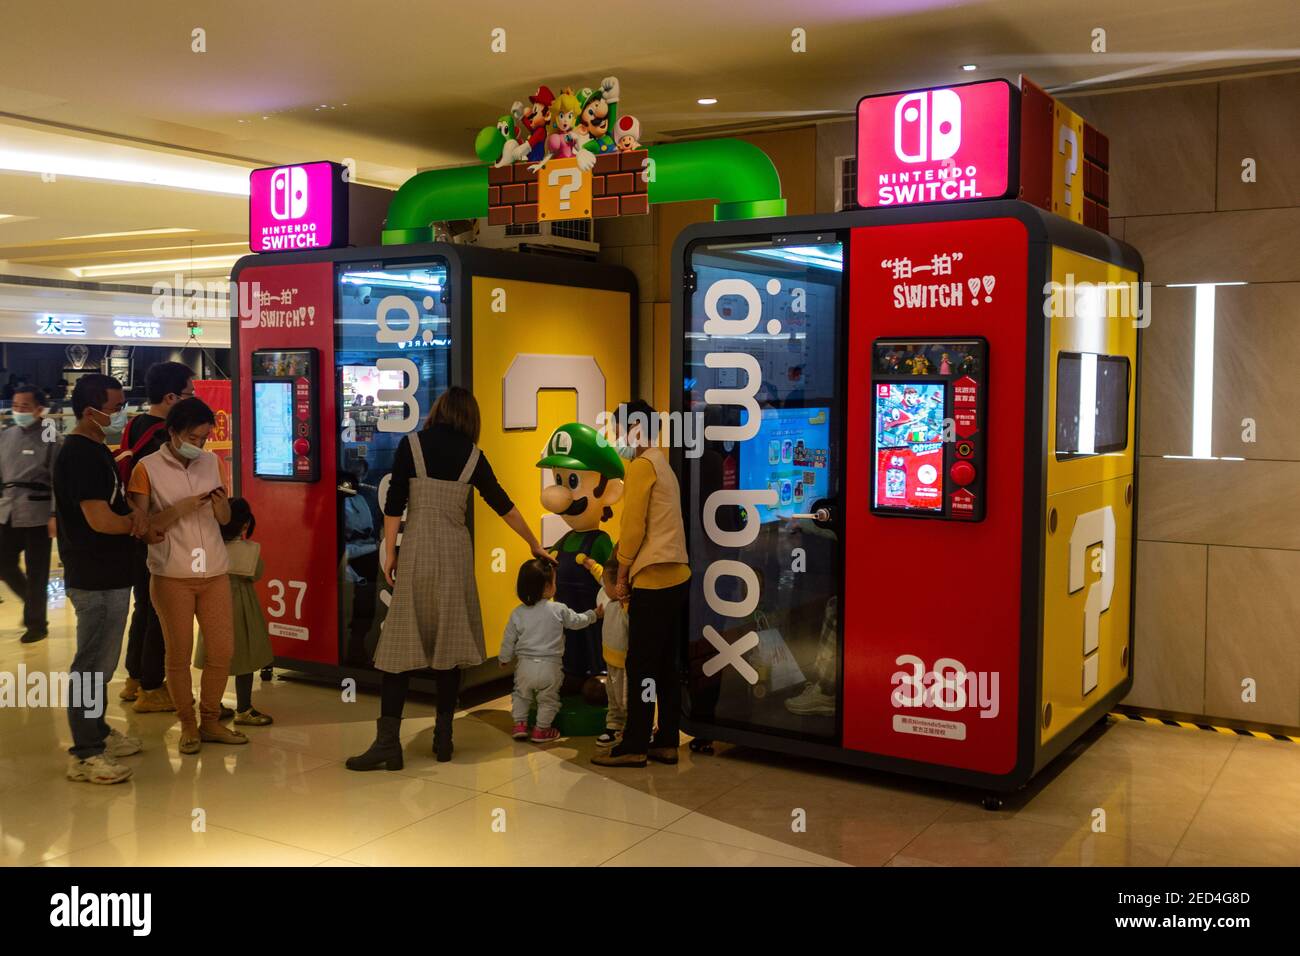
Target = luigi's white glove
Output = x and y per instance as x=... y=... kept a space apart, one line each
x=609 y=89
x=586 y=159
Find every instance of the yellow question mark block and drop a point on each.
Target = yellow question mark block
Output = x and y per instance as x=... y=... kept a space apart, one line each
x=563 y=191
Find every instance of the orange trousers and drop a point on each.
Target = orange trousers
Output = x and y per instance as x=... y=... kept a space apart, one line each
x=178 y=602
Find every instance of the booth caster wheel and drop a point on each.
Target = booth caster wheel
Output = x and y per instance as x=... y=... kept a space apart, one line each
x=267 y=673
x=991 y=802
x=698 y=746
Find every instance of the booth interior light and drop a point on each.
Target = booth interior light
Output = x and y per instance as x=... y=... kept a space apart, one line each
x=416 y=279
x=819 y=257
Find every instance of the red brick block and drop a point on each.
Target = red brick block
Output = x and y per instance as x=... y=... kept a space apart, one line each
x=631 y=162
x=526 y=213
x=604 y=207
x=607 y=163
x=640 y=181
x=494 y=195
x=619 y=183
x=500 y=175
x=500 y=215
x=532 y=191
x=522 y=175
x=514 y=193
x=598 y=185
x=637 y=205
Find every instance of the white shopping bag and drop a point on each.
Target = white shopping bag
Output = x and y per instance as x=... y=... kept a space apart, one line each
x=776 y=666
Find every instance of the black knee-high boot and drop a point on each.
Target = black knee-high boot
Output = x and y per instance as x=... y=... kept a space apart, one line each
x=448 y=686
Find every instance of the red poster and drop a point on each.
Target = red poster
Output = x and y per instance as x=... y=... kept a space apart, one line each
x=216 y=393
x=292 y=307
x=935 y=675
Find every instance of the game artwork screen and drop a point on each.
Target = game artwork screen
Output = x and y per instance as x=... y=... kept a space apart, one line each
x=909 y=445
x=789 y=455
x=273 y=429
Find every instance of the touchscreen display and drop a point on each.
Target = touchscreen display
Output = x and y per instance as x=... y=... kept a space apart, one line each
x=909 y=445
x=788 y=455
x=273 y=429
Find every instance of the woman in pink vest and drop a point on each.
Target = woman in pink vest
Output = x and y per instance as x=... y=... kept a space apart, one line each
x=182 y=488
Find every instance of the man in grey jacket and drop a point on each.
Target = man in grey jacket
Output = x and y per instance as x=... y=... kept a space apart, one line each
x=27 y=453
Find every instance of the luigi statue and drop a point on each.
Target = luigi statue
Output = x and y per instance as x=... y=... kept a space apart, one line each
x=586 y=479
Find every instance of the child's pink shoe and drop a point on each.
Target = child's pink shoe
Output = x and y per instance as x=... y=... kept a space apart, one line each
x=542 y=735
x=521 y=730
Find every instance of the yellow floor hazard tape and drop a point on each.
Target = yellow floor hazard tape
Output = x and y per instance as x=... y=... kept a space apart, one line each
x=1191 y=725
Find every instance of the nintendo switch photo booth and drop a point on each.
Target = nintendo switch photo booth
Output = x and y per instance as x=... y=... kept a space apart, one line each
x=911 y=519
x=340 y=354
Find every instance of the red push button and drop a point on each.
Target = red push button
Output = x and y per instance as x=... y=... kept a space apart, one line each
x=301 y=446
x=962 y=473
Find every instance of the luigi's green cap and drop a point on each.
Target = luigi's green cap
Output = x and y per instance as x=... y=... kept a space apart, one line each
x=580 y=447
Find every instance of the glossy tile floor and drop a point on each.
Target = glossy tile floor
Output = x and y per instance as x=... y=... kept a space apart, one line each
x=1169 y=796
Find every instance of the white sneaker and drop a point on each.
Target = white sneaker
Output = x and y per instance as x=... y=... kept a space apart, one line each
x=98 y=769
x=118 y=744
x=812 y=703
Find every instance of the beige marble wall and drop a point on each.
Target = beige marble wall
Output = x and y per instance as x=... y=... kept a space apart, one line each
x=1169 y=660
x=1218 y=586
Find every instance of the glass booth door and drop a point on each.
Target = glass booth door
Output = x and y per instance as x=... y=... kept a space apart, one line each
x=763 y=385
x=392 y=355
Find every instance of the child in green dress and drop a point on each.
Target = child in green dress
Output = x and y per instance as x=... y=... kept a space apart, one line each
x=252 y=650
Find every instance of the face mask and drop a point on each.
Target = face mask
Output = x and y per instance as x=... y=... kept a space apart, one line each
x=188 y=451
x=23 y=419
x=116 y=421
x=624 y=450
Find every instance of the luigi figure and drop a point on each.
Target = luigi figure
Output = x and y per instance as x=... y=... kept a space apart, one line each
x=586 y=479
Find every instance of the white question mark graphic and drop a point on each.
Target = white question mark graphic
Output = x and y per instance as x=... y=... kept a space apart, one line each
x=574 y=177
x=1090 y=528
x=1068 y=137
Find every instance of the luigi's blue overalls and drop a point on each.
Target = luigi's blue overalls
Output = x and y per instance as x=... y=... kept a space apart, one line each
x=577 y=587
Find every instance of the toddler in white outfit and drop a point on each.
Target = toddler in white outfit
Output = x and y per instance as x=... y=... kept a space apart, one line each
x=534 y=637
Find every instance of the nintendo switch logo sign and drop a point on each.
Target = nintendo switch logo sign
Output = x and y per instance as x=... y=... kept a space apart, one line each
x=297 y=207
x=927 y=126
x=943 y=145
x=289 y=193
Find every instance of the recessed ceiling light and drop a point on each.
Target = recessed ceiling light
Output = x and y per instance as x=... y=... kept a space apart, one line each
x=707 y=100
x=134 y=232
x=158 y=265
x=969 y=67
x=131 y=166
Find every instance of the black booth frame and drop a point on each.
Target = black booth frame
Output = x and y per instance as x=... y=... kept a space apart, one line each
x=1045 y=230
x=464 y=264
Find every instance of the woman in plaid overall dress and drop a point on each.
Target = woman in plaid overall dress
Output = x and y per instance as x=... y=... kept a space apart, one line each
x=434 y=619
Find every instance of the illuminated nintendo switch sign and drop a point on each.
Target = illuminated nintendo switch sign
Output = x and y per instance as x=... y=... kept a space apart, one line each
x=297 y=207
x=953 y=144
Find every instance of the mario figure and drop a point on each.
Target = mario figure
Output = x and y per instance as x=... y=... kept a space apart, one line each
x=586 y=479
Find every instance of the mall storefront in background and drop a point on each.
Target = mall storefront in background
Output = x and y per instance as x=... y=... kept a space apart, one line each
x=54 y=350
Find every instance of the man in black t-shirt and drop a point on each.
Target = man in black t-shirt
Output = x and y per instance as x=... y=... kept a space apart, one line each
x=95 y=529
x=166 y=383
